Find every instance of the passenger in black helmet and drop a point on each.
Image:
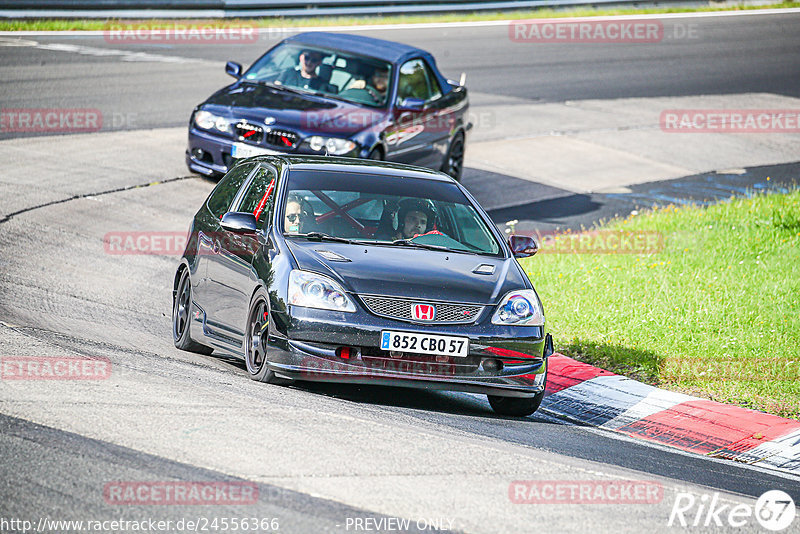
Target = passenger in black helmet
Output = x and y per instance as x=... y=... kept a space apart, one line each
x=415 y=216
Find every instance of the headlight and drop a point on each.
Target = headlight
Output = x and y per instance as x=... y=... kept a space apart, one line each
x=313 y=290
x=520 y=308
x=208 y=121
x=334 y=145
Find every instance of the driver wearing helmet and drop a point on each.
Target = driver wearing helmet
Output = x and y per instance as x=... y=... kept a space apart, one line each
x=415 y=217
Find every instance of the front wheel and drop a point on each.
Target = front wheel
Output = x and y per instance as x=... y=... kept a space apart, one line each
x=255 y=345
x=518 y=406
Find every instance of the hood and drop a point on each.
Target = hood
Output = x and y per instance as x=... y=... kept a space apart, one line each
x=315 y=114
x=409 y=272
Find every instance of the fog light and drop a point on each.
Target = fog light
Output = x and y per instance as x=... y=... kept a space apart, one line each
x=441 y=358
x=344 y=352
x=395 y=354
x=491 y=365
x=197 y=153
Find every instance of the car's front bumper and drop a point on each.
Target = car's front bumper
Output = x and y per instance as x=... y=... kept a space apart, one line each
x=308 y=352
x=210 y=154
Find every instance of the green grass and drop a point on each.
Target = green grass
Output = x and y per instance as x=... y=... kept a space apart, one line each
x=715 y=313
x=281 y=22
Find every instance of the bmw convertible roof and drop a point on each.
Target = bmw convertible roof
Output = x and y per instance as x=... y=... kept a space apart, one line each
x=358 y=44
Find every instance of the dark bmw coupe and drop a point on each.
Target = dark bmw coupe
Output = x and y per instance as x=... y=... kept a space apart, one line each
x=333 y=94
x=344 y=270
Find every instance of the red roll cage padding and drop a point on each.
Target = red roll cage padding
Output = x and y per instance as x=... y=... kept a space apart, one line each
x=341 y=211
x=260 y=208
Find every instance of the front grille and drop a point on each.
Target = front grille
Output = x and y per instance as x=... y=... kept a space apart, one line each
x=281 y=138
x=402 y=310
x=249 y=132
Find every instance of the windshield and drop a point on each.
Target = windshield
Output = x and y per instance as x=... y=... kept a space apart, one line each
x=352 y=77
x=397 y=211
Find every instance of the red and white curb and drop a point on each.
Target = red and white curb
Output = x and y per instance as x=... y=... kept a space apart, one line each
x=589 y=395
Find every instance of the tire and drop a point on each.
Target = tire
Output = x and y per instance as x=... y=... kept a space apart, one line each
x=181 y=318
x=517 y=406
x=454 y=160
x=255 y=341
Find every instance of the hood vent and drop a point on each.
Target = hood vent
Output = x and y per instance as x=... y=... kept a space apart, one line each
x=484 y=268
x=332 y=256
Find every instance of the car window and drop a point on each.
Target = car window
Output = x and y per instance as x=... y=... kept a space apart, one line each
x=255 y=199
x=383 y=209
x=417 y=81
x=348 y=76
x=466 y=224
x=221 y=197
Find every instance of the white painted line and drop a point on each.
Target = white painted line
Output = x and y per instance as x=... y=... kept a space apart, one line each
x=124 y=55
x=442 y=25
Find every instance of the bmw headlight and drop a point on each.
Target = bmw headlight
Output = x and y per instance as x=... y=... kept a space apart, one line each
x=313 y=290
x=520 y=308
x=333 y=145
x=209 y=121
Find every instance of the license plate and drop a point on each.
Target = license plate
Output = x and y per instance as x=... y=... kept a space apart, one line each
x=240 y=150
x=425 y=343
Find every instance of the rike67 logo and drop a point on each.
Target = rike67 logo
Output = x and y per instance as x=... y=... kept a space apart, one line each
x=774 y=511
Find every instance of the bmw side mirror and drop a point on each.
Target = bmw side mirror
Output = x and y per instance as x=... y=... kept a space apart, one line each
x=523 y=246
x=234 y=69
x=411 y=104
x=239 y=222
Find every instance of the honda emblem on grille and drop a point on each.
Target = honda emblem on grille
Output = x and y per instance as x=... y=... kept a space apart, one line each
x=424 y=312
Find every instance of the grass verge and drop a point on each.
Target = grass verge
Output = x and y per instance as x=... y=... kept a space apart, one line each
x=281 y=22
x=715 y=313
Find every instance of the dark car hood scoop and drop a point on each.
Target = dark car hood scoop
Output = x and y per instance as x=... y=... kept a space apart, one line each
x=408 y=272
x=257 y=102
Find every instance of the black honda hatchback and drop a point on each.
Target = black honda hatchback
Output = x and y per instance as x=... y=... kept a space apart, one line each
x=344 y=270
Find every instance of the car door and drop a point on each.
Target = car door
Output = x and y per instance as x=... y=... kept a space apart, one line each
x=413 y=134
x=210 y=292
x=231 y=270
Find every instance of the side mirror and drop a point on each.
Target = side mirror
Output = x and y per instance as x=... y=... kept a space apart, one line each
x=234 y=69
x=239 y=222
x=411 y=104
x=523 y=246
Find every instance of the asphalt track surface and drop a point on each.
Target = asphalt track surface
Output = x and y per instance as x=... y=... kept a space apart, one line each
x=319 y=454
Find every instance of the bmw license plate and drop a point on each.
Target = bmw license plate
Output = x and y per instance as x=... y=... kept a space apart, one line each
x=240 y=150
x=425 y=343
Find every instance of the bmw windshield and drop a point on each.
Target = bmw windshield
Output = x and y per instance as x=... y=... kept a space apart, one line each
x=389 y=210
x=313 y=69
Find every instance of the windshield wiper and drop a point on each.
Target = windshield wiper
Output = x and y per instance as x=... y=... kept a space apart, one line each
x=409 y=243
x=319 y=236
x=280 y=87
